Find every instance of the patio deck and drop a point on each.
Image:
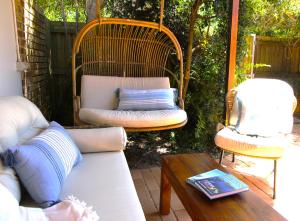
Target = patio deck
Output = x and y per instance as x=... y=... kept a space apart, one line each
x=257 y=173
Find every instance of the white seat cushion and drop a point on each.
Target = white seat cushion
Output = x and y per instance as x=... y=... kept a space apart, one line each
x=133 y=119
x=267 y=147
x=103 y=181
x=101 y=92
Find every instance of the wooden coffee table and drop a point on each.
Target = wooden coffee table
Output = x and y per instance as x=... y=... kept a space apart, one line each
x=240 y=207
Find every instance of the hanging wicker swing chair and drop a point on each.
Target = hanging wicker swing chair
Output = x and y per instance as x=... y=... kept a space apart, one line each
x=114 y=53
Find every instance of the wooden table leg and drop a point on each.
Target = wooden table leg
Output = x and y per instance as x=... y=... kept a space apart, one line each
x=165 y=194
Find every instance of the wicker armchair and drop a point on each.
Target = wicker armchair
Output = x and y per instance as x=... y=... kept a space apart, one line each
x=261 y=134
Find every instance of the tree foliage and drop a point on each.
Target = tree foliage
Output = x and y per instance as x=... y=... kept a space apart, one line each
x=52 y=10
x=280 y=18
x=134 y=9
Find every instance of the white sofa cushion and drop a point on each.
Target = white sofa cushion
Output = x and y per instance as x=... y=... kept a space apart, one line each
x=136 y=119
x=101 y=92
x=11 y=211
x=103 y=181
x=70 y=209
x=10 y=181
x=9 y=205
x=20 y=120
x=99 y=139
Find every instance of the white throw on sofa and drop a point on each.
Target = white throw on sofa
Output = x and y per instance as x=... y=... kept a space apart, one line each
x=102 y=179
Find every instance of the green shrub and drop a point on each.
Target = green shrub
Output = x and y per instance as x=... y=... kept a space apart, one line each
x=205 y=100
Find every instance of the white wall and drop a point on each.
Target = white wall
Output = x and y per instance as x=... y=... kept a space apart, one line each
x=10 y=79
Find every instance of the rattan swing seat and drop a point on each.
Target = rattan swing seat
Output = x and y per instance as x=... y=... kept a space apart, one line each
x=113 y=53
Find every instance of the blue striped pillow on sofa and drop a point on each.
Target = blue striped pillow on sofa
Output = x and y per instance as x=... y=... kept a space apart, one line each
x=151 y=99
x=44 y=162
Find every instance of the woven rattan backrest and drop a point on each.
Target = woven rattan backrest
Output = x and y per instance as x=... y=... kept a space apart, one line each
x=128 y=49
x=125 y=48
x=125 y=51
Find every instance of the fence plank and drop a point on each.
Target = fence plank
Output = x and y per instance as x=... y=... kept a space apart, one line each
x=280 y=53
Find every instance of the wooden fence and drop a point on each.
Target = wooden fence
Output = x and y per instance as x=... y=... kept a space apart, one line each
x=283 y=56
x=61 y=57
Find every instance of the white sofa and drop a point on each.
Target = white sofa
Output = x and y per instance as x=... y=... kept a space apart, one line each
x=102 y=179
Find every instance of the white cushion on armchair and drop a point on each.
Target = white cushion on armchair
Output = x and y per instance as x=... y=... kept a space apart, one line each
x=263 y=107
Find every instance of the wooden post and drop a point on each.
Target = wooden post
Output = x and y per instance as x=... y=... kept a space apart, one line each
x=232 y=43
x=162 y=8
x=252 y=50
x=248 y=60
x=97 y=8
x=275 y=178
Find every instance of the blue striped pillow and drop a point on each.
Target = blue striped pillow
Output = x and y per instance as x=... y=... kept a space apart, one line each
x=151 y=99
x=44 y=162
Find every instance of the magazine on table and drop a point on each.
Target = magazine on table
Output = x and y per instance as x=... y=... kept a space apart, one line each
x=216 y=183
